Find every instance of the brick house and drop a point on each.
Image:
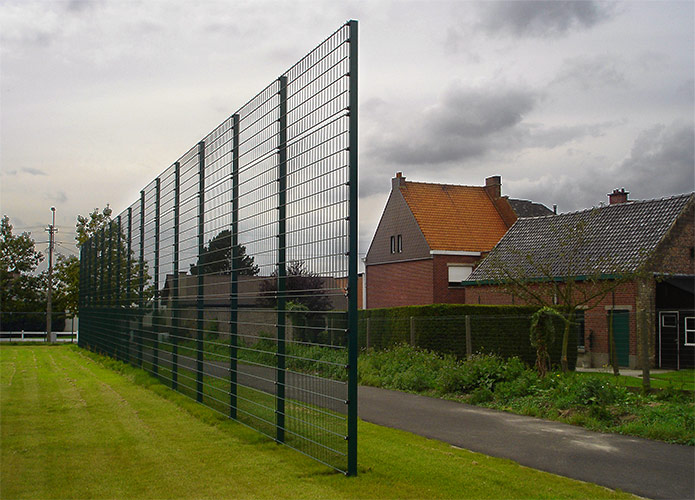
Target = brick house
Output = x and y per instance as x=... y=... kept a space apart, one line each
x=655 y=235
x=431 y=235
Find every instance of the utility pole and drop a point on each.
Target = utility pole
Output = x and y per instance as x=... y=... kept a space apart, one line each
x=50 y=336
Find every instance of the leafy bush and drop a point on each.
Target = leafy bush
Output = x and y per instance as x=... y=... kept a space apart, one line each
x=403 y=367
x=479 y=371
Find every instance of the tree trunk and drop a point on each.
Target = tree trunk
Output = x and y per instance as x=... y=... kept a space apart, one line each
x=569 y=320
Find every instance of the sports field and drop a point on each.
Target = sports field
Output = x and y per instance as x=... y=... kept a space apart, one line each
x=75 y=425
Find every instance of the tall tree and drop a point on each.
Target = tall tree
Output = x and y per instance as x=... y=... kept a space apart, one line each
x=114 y=275
x=66 y=277
x=217 y=258
x=88 y=226
x=21 y=290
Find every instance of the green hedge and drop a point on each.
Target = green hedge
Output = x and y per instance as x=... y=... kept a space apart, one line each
x=501 y=330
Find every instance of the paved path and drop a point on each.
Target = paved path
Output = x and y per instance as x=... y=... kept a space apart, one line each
x=647 y=468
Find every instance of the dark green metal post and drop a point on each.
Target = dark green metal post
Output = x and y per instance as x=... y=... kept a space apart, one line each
x=200 y=302
x=352 y=265
x=175 y=295
x=102 y=288
x=129 y=277
x=141 y=301
x=109 y=294
x=155 y=312
x=282 y=265
x=118 y=320
x=81 y=304
x=94 y=300
x=234 y=292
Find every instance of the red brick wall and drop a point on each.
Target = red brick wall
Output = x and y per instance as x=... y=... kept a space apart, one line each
x=399 y=284
x=595 y=318
x=443 y=294
x=673 y=255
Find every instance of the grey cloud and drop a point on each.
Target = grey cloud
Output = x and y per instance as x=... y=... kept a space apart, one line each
x=591 y=72
x=662 y=158
x=55 y=196
x=465 y=124
x=80 y=5
x=33 y=171
x=541 y=18
x=661 y=163
x=552 y=137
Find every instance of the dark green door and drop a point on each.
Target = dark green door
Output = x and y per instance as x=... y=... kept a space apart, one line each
x=621 y=333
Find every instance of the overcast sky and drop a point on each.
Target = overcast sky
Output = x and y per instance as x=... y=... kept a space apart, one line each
x=565 y=100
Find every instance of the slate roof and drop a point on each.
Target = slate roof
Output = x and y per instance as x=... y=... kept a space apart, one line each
x=452 y=217
x=613 y=238
x=527 y=208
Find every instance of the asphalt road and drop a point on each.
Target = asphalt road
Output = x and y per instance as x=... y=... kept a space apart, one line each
x=641 y=466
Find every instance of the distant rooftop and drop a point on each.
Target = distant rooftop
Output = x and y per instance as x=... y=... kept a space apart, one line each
x=527 y=208
x=616 y=235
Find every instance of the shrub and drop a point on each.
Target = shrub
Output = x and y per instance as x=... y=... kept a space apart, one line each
x=403 y=367
x=479 y=371
x=500 y=330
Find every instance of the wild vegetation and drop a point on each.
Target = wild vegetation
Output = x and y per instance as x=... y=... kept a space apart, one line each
x=603 y=403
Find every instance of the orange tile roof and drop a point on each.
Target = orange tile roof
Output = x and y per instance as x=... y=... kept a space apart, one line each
x=451 y=217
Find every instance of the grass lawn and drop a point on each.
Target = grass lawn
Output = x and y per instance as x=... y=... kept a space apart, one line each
x=683 y=380
x=73 y=427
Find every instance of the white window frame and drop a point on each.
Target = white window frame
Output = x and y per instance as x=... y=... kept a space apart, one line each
x=689 y=331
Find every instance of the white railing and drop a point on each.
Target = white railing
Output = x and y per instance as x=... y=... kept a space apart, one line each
x=22 y=336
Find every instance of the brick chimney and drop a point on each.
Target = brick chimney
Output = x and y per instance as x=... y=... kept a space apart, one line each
x=493 y=186
x=618 y=196
x=398 y=181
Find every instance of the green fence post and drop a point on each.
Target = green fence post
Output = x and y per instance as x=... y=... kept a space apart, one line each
x=282 y=265
x=155 y=311
x=102 y=289
x=118 y=320
x=175 y=297
x=141 y=303
x=129 y=277
x=95 y=290
x=352 y=264
x=111 y=344
x=234 y=292
x=200 y=302
x=81 y=302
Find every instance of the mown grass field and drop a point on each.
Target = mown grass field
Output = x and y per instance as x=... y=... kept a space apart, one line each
x=74 y=425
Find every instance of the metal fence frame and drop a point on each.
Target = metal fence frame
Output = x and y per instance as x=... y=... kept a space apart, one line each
x=275 y=183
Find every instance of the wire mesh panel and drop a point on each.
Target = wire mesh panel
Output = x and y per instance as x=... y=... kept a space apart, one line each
x=234 y=277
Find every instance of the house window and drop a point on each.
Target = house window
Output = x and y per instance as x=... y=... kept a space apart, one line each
x=400 y=243
x=690 y=330
x=580 y=325
x=393 y=244
x=458 y=273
